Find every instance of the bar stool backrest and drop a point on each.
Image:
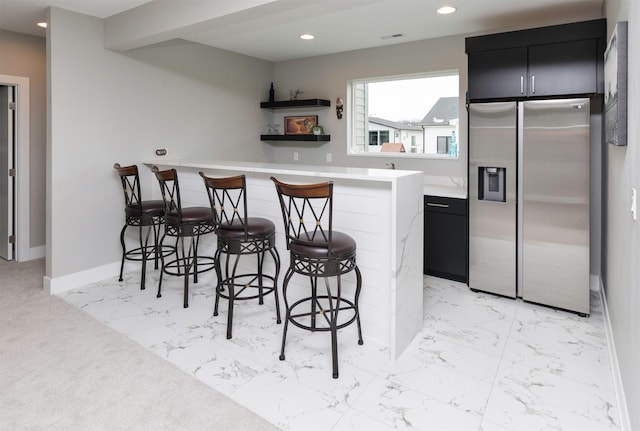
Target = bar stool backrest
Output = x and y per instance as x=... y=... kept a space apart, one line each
x=170 y=189
x=228 y=200
x=307 y=212
x=130 y=185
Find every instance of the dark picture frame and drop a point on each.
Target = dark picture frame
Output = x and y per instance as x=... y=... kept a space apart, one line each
x=615 y=87
x=300 y=125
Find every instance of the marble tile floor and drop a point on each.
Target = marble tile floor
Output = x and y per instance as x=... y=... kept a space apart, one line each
x=480 y=363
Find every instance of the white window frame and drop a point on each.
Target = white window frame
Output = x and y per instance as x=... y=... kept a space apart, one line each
x=357 y=135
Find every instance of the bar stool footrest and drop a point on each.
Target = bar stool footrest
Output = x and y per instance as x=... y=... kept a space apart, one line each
x=135 y=254
x=240 y=287
x=345 y=305
x=176 y=266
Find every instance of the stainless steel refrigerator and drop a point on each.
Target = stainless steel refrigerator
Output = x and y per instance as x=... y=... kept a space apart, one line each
x=529 y=201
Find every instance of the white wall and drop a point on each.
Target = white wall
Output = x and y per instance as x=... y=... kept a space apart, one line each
x=326 y=77
x=622 y=233
x=431 y=137
x=106 y=107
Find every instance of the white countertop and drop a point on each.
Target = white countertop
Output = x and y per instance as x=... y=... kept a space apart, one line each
x=434 y=185
x=369 y=174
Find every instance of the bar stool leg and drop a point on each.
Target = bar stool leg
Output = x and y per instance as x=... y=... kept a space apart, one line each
x=231 y=280
x=260 y=258
x=314 y=291
x=162 y=264
x=285 y=285
x=333 y=323
x=186 y=262
x=156 y=247
x=216 y=259
x=276 y=259
x=144 y=246
x=124 y=250
x=356 y=302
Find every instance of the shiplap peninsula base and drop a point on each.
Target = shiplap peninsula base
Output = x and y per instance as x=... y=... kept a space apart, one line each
x=381 y=208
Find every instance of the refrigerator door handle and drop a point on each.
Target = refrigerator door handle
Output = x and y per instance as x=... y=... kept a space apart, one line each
x=533 y=84
x=521 y=84
x=431 y=204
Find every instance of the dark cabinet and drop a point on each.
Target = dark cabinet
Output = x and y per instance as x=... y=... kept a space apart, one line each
x=497 y=74
x=445 y=237
x=563 y=68
x=564 y=60
x=540 y=70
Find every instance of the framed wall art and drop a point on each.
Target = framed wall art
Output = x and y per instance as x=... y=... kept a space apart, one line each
x=615 y=87
x=300 y=125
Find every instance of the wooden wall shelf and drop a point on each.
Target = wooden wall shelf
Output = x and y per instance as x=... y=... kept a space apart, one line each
x=304 y=103
x=306 y=138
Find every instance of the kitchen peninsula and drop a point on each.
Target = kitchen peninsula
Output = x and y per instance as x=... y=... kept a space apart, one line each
x=381 y=208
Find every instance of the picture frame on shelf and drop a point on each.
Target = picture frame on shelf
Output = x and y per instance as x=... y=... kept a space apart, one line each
x=300 y=125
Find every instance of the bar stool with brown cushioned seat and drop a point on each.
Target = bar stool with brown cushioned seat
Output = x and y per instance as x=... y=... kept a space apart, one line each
x=240 y=235
x=317 y=251
x=181 y=223
x=142 y=214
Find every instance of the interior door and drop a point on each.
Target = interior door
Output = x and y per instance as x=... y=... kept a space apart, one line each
x=7 y=184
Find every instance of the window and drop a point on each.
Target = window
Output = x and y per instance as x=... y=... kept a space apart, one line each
x=378 y=137
x=419 y=111
x=443 y=144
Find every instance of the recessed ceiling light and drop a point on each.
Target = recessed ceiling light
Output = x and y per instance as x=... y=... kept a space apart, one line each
x=446 y=10
x=42 y=24
x=307 y=36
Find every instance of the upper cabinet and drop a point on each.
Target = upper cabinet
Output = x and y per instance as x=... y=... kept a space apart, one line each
x=497 y=74
x=552 y=61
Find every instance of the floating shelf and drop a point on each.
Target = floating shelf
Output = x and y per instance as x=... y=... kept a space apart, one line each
x=305 y=103
x=307 y=138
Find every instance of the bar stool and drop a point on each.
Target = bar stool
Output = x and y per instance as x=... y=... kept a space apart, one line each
x=181 y=223
x=240 y=235
x=139 y=213
x=317 y=251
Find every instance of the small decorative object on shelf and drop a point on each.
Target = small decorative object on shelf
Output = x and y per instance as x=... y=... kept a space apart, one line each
x=339 y=108
x=317 y=130
x=272 y=94
x=293 y=94
x=300 y=125
x=273 y=129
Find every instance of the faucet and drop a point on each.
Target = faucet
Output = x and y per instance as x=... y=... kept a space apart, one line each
x=391 y=165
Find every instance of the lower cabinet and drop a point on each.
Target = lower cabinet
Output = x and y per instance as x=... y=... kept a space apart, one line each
x=445 y=238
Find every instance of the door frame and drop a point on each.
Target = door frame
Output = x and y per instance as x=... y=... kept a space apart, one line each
x=22 y=209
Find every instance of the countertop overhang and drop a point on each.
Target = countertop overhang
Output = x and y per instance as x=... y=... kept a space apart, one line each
x=434 y=185
x=366 y=174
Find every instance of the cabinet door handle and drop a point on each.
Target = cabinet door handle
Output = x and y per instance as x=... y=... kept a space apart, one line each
x=521 y=84
x=431 y=204
x=533 y=84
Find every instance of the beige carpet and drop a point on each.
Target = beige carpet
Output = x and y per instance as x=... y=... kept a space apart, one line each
x=62 y=370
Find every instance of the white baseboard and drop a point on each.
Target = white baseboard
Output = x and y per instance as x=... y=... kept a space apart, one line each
x=37 y=252
x=82 y=278
x=621 y=399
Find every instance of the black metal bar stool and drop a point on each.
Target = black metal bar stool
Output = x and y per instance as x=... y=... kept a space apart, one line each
x=317 y=251
x=240 y=235
x=183 y=223
x=141 y=214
